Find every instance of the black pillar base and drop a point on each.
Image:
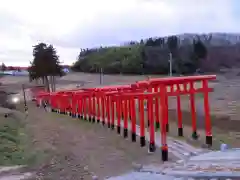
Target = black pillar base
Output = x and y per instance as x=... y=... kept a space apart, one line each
x=152 y=147
x=118 y=129
x=90 y=119
x=103 y=123
x=53 y=110
x=164 y=155
x=79 y=116
x=134 y=137
x=112 y=126
x=93 y=120
x=167 y=127
x=85 y=118
x=125 y=133
x=148 y=123
x=142 y=141
x=157 y=125
x=195 y=135
x=180 y=132
x=98 y=120
x=209 y=140
x=108 y=125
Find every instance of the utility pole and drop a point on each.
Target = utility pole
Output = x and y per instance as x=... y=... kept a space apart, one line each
x=170 y=64
x=24 y=98
x=101 y=76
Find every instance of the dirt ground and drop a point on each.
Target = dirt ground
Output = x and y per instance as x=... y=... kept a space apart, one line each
x=72 y=149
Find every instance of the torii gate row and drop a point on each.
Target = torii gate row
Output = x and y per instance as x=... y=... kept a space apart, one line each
x=157 y=88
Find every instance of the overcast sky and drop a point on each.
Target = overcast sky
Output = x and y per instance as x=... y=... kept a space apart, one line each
x=73 y=24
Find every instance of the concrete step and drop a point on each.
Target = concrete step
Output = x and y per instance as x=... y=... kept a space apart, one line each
x=14 y=173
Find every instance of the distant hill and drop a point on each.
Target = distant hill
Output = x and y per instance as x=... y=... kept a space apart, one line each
x=151 y=55
x=217 y=39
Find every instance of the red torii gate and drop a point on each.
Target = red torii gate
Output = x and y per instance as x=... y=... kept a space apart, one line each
x=161 y=84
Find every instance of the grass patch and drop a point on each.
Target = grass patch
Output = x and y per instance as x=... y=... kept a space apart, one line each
x=14 y=147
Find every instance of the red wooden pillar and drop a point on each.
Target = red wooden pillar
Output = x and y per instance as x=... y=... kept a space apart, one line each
x=58 y=98
x=112 y=101
x=98 y=107
x=122 y=105
x=90 y=107
x=179 y=111
x=133 y=117
x=93 y=107
x=82 y=107
x=65 y=104
x=164 y=110
x=152 y=146
x=62 y=104
x=193 y=111
x=103 y=104
x=149 y=90
x=108 y=111
x=70 y=99
x=207 y=113
x=79 y=98
x=125 y=117
x=119 y=112
x=74 y=106
x=57 y=103
x=86 y=108
x=142 y=120
x=51 y=103
x=157 y=108
x=130 y=108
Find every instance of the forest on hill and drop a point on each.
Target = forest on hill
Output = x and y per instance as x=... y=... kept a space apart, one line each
x=189 y=52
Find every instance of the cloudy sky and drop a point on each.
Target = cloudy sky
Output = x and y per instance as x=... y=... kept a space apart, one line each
x=73 y=24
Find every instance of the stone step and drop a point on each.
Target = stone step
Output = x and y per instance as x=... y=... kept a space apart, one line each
x=14 y=173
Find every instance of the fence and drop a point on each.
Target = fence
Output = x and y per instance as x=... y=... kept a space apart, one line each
x=122 y=107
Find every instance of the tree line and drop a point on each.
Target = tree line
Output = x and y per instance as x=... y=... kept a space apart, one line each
x=149 y=57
